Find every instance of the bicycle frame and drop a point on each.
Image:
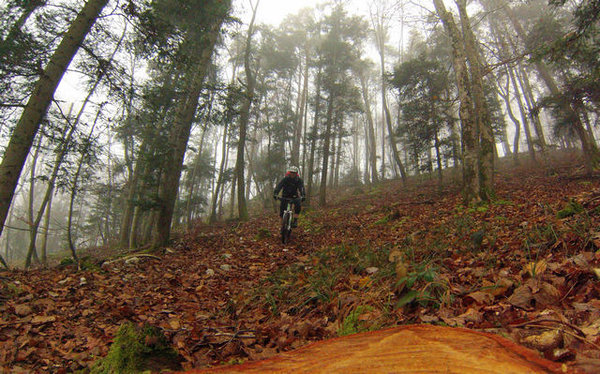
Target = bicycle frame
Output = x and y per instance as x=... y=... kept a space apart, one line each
x=287 y=219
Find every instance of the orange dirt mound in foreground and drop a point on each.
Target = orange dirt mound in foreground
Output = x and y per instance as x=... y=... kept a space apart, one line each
x=405 y=349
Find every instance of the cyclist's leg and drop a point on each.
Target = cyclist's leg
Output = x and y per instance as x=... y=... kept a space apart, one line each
x=282 y=206
x=297 y=206
x=297 y=209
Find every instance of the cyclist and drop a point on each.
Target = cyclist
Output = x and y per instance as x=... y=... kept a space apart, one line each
x=292 y=187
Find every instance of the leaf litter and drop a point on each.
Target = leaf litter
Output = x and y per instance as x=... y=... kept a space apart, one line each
x=229 y=293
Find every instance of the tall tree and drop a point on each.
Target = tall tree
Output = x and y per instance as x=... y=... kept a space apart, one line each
x=200 y=37
x=380 y=16
x=481 y=110
x=39 y=101
x=244 y=118
x=470 y=133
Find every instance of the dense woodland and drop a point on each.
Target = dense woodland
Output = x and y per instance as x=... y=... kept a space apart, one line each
x=123 y=121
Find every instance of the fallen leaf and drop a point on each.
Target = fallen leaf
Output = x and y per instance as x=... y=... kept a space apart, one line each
x=481 y=297
x=23 y=310
x=500 y=288
x=535 y=269
x=42 y=319
x=544 y=341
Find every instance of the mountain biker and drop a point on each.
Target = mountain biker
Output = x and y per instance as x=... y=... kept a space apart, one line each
x=292 y=187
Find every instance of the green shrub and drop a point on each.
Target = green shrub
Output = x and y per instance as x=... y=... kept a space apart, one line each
x=352 y=324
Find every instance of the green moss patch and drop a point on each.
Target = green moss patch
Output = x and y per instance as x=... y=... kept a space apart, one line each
x=569 y=210
x=137 y=349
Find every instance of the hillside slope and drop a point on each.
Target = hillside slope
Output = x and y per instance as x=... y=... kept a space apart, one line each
x=525 y=267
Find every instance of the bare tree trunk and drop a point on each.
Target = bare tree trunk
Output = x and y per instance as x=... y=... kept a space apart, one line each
x=127 y=222
x=326 y=151
x=524 y=118
x=370 y=133
x=313 y=140
x=215 y=196
x=378 y=21
x=481 y=111
x=506 y=96
x=338 y=160
x=470 y=136
x=438 y=156
x=383 y=150
x=298 y=127
x=74 y=185
x=32 y=189
x=44 y=249
x=24 y=133
x=530 y=101
x=244 y=117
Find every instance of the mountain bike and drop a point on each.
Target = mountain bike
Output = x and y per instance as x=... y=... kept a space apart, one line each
x=288 y=218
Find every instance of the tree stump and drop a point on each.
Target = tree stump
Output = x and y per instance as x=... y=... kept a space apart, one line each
x=405 y=349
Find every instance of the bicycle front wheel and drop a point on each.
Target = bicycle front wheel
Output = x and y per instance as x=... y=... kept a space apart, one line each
x=285 y=228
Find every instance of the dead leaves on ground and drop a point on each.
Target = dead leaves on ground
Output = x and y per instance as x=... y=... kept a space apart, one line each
x=512 y=268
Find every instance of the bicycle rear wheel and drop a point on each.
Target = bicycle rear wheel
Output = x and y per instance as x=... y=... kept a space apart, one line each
x=285 y=230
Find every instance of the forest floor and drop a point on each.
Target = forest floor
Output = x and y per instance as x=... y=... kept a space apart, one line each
x=525 y=266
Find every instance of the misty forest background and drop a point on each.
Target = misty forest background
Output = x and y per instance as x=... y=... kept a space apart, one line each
x=172 y=112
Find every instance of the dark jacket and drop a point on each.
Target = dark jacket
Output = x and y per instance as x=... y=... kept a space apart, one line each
x=292 y=187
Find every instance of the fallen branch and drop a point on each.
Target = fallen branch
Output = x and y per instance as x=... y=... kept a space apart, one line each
x=536 y=321
x=581 y=338
x=415 y=202
x=132 y=256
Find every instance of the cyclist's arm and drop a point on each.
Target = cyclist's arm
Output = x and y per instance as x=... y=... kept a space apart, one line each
x=301 y=188
x=278 y=188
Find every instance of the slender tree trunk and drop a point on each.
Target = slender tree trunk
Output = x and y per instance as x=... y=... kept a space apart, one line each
x=326 y=151
x=313 y=140
x=527 y=107
x=27 y=127
x=380 y=36
x=127 y=223
x=506 y=96
x=438 y=156
x=530 y=101
x=388 y=121
x=524 y=118
x=215 y=196
x=244 y=117
x=74 y=186
x=304 y=119
x=338 y=160
x=383 y=150
x=298 y=128
x=370 y=134
x=32 y=189
x=44 y=249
